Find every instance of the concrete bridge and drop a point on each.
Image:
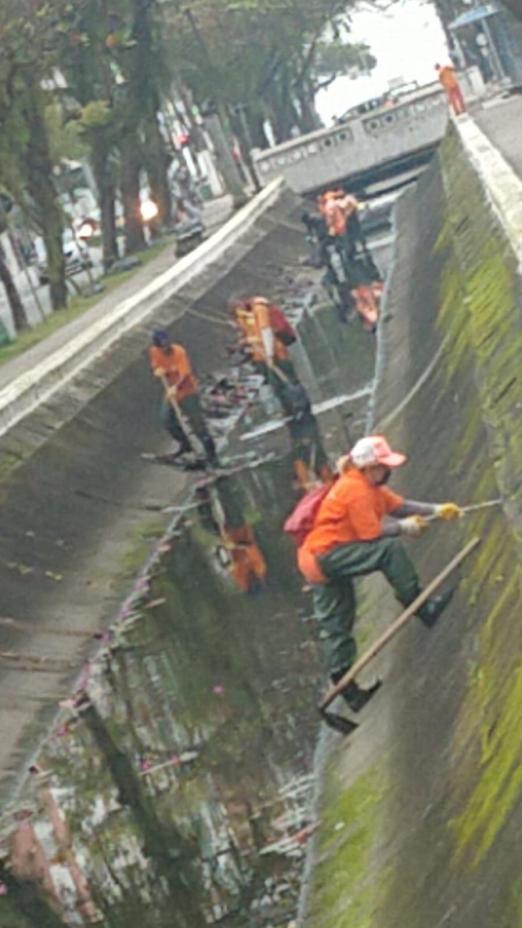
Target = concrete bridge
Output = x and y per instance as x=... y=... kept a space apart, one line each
x=378 y=144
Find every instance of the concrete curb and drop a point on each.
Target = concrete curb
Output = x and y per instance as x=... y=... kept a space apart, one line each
x=501 y=184
x=39 y=383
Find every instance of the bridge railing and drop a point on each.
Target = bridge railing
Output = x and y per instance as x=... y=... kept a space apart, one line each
x=363 y=143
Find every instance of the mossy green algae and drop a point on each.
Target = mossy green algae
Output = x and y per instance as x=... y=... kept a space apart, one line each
x=481 y=312
x=346 y=893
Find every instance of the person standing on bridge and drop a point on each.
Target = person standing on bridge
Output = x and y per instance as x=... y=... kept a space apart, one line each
x=171 y=364
x=449 y=81
x=350 y=534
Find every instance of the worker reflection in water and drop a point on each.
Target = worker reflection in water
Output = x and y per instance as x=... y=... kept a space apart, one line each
x=309 y=457
x=451 y=85
x=171 y=364
x=354 y=532
x=351 y=268
x=238 y=551
x=266 y=336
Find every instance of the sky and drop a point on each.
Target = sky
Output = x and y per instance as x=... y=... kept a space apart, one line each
x=407 y=41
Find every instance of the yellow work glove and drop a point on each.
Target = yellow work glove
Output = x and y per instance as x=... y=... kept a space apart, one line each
x=159 y=372
x=413 y=526
x=172 y=393
x=448 y=512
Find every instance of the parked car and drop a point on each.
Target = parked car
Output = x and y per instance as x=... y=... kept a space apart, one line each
x=76 y=254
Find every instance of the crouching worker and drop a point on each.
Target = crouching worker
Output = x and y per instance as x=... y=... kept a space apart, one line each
x=171 y=364
x=349 y=536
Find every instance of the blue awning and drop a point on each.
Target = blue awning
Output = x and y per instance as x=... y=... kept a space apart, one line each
x=475 y=15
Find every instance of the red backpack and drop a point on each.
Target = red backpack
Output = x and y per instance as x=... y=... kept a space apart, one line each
x=301 y=521
x=281 y=326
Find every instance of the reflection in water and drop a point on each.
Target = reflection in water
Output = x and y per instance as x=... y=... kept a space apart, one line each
x=175 y=791
x=237 y=551
x=175 y=788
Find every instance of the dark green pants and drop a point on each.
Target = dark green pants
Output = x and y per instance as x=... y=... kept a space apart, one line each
x=277 y=383
x=335 y=603
x=307 y=445
x=192 y=411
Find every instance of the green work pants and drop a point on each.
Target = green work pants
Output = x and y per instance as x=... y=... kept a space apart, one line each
x=335 y=603
x=192 y=411
x=307 y=445
x=277 y=383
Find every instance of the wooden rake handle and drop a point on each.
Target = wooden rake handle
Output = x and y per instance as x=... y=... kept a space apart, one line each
x=396 y=626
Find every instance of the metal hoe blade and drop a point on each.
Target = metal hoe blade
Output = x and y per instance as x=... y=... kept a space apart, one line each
x=338 y=723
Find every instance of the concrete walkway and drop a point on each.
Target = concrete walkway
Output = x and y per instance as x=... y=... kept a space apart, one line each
x=216 y=213
x=501 y=119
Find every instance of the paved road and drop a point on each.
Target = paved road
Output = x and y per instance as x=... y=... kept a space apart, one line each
x=42 y=305
x=501 y=120
x=216 y=213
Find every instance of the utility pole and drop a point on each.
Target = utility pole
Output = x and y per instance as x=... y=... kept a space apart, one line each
x=215 y=124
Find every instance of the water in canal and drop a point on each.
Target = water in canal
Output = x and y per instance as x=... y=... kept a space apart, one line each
x=175 y=789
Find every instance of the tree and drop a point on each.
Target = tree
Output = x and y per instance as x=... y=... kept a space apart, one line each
x=257 y=55
x=335 y=58
x=13 y=297
x=28 y=29
x=116 y=69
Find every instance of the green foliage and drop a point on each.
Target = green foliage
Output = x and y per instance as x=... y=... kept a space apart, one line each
x=334 y=58
x=96 y=114
x=65 y=138
x=259 y=53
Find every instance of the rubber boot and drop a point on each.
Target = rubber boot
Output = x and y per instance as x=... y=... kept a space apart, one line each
x=434 y=607
x=210 y=449
x=184 y=447
x=354 y=695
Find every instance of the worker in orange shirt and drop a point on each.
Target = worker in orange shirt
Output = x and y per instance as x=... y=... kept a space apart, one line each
x=336 y=207
x=352 y=535
x=266 y=336
x=449 y=81
x=267 y=345
x=171 y=364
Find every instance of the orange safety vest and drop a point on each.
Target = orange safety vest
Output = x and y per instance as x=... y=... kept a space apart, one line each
x=252 y=321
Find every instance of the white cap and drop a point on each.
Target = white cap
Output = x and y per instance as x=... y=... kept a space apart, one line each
x=374 y=449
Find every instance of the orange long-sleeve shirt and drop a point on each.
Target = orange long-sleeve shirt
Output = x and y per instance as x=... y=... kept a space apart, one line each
x=352 y=511
x=178 y=369
x=448 y=78
x=252 y=323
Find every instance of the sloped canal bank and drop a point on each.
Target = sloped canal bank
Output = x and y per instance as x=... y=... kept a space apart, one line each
x=175 y=788
x=422 y=808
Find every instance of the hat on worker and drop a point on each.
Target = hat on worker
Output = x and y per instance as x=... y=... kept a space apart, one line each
x=374 y=449
x=160 y=338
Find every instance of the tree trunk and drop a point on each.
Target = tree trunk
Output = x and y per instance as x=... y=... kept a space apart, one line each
x=130 y=194
x=256 y=119
x=156 y=166
x=103 y=175
x=162 y=842
x=20 y=319
x=283 y=109
x=225 y=161
x=39 y=169
x=242 y=133
x=309 y=120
